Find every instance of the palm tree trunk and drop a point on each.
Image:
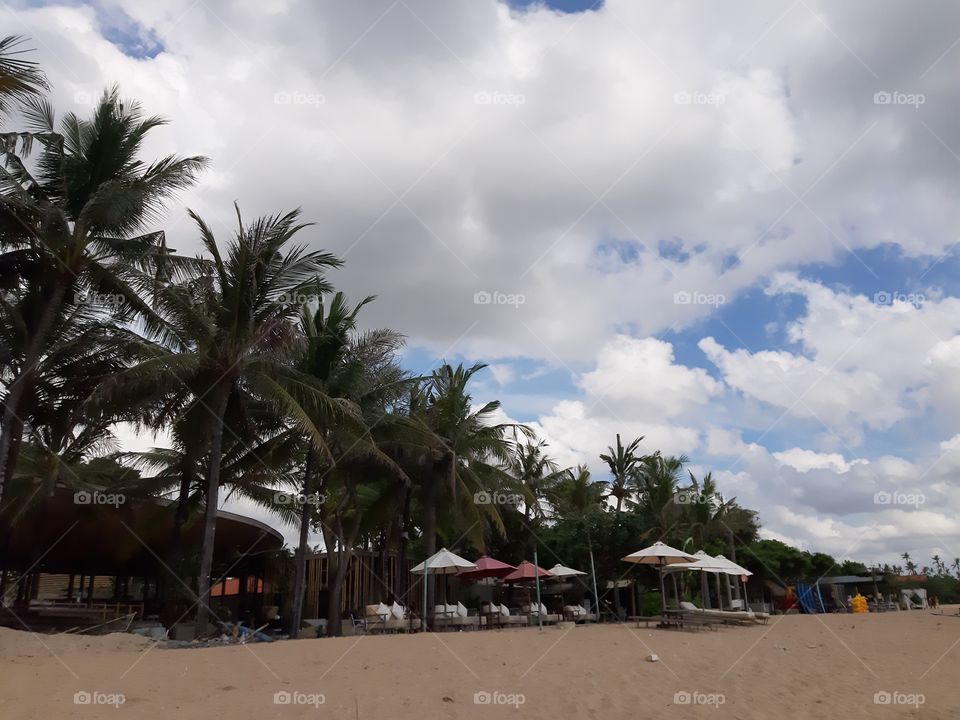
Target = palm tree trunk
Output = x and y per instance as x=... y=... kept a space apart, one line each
x=300 y=571
x=13 y=404
x=403 y=581
x=170 y=588
x=429 y=533
x=221 y=396
x=616 y=590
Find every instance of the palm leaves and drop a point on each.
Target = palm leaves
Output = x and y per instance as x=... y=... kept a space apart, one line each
x=20 y=78
x=72 y=233
x=623 y=463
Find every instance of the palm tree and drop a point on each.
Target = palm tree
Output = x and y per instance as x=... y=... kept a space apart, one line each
x=464 y=450
x=536 y=474
x=73 y=232
x=658 y=477
x=19 y=78
x=233 y=334
x=956 y=567
x=578 y=496
x=623 y=462
x=359 y=373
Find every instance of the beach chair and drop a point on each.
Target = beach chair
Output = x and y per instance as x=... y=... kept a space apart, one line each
x=502 y=616
x=534 y=615
x=578 y=614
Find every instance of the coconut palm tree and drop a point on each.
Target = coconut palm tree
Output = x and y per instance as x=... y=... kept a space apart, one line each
x=73 y=231
x=623 y=462
x=233 y=334
x=358 y=372
x=463 y=453
x=535 y=474
x=20 y=78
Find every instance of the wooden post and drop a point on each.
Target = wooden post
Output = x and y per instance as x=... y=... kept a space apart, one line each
x=69 y=587
x=90 y=591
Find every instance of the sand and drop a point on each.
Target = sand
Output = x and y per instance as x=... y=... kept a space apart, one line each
x=797 y=667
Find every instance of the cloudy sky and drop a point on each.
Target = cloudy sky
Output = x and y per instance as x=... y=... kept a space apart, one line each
x=728 y=227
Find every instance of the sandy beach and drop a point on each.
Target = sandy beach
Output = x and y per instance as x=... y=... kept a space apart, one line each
x=829 y=666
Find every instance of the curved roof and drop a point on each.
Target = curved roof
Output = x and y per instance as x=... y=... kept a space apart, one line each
x=110 y=535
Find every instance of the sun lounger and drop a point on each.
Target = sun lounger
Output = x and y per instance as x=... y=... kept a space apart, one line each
x=733 y=617
x=495 y=617
x=378 y=621
x=577 y=614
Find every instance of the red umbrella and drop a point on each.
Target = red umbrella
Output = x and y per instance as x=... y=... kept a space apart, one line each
x=527 y=571
x=487 y=567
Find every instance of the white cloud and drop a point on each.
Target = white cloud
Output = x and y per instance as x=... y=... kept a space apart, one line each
x=565 y=196
x=639 y=376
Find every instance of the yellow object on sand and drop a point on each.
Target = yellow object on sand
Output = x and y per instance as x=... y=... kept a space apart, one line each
x=858 y=603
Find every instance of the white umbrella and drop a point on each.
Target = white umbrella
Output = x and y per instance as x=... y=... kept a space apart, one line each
x=718 y=565
x=706 y=564
x=661 y=554
x=731 y=568
x=443 y=562
x=561 y=571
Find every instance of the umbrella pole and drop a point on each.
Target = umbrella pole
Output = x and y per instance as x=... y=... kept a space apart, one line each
x=663 y=597
x=593 y=578
x=536 y=572
x=719 y=595
x=425 y=576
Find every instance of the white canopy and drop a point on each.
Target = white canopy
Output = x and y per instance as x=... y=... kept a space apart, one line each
x=731 y=568
x=561 y=571
x=660 y=554
x=718 y=564
x=444 y=562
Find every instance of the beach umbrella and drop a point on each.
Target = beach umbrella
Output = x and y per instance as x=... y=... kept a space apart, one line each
x=527 y=571
x=660 y=554
x=561 y=572
x=443 y=562
x=487 y=567
x=706 y=563
x=731 y=568
x=718 y=565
